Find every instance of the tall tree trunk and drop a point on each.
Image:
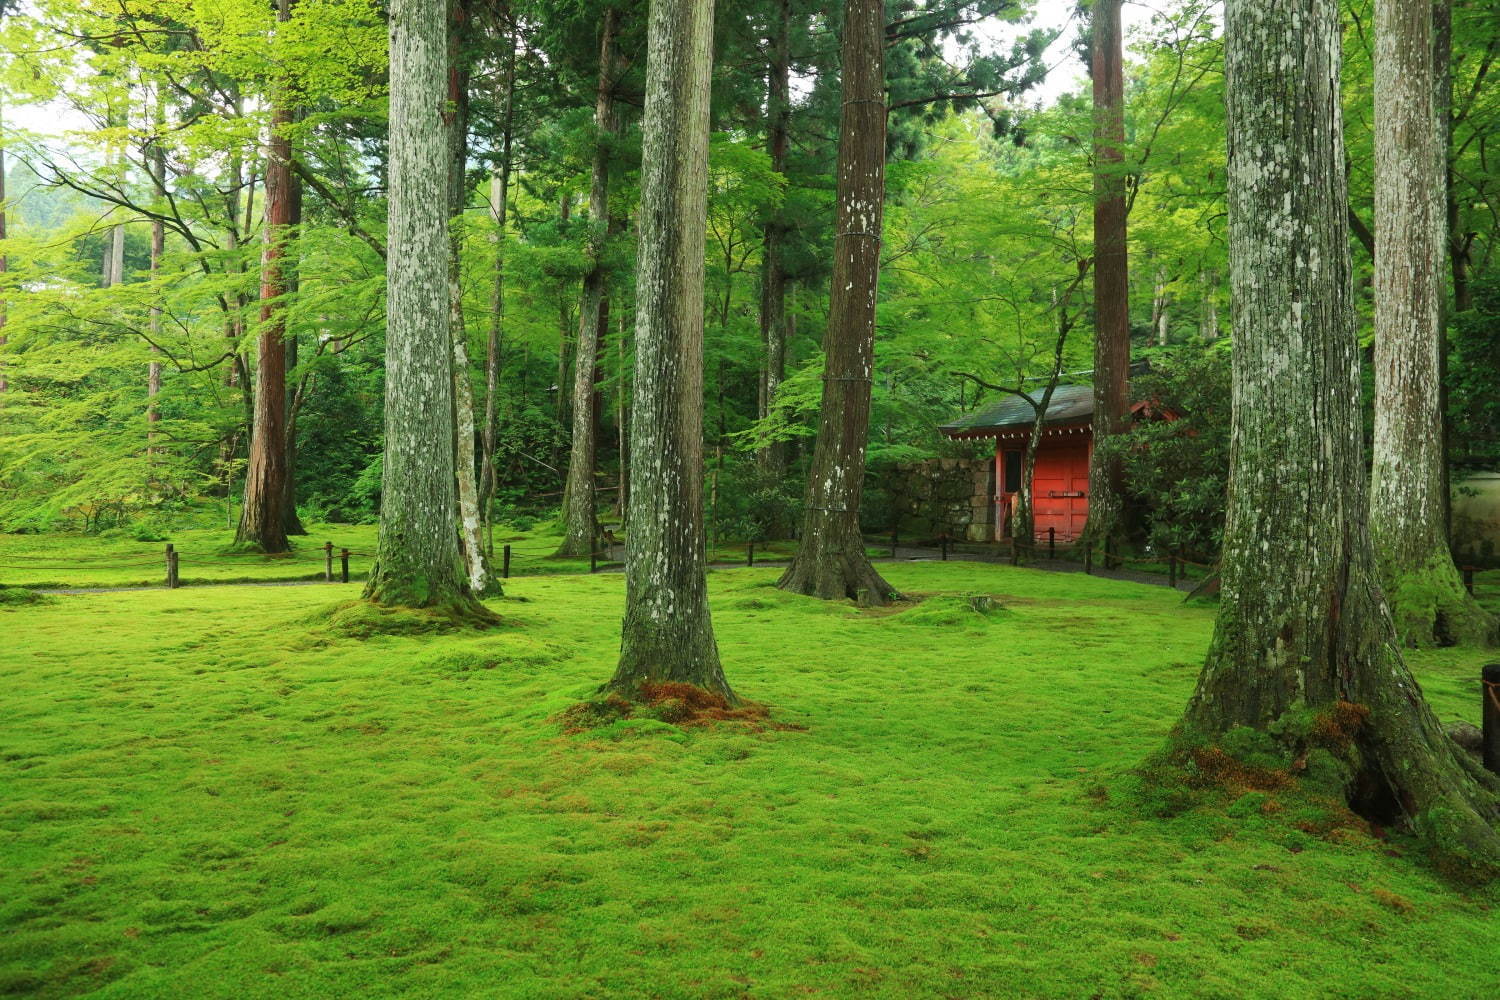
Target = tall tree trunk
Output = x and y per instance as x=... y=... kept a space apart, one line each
x=417 y=562
x=1111 y=278
x=471 y=541
x=771 y=458
x=580 y=526
x=156 y=157
x=1407 y=521
x=263 y=519
x=830 y=562
x=1302 y=628
x=1208 y=329
x=564 y=321
x=1161 y=307
x=499 y=194
x=292 y=281
x=1442 y=102
x=667 y=634
x=4 y=262
x=622 y=422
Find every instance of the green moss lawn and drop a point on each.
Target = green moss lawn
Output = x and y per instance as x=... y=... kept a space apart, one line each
x=213 y=793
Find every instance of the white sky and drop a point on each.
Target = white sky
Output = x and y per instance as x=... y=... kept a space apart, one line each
x=1066 y=72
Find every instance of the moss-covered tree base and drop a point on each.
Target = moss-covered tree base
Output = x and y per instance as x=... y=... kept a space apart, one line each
x=831 y=565
x=1431 y=607
x=408 y=592
x=1322 y=771
x=681 y=650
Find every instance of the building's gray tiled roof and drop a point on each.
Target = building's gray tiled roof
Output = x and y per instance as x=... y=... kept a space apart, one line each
x=1069 y=404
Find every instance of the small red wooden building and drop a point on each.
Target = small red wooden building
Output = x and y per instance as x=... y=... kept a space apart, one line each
x=1060 y=493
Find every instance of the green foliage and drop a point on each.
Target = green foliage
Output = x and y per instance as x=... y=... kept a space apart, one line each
x=1178 y=469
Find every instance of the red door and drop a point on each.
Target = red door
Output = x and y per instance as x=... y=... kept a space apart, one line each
x=1061 y=489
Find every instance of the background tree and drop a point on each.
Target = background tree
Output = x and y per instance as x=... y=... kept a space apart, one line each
x=831 y=562
x=1408 y=493
x=1111 y=275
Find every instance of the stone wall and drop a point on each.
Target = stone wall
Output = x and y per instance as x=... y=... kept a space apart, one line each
x=943 y=496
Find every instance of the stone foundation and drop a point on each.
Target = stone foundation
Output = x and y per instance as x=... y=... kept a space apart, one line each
x=943 y=496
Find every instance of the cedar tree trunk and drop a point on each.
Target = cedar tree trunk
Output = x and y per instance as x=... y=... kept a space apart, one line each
x=417 y=561
x=1407 y=519
x=580 y=525
x=1302 y=627
x=471 y=542
x=667 y=634
x=263 y=520
x=1111 y=278
x=771 y=457
x=830 y=562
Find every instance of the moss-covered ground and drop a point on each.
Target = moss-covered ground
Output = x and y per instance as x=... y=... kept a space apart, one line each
x=220 y=793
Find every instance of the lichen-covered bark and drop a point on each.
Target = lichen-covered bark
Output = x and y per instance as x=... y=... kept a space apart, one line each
x=771 y=457
x=4 y=263
x=1408 y=489
x=830 y=562
x=417 y=561
x=499 y=193
x=1111 y=277
x=667 y=634
x=1302 y=623
x=580 y=500
x=471 y=542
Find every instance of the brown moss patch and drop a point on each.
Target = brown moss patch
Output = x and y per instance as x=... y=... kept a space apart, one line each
x=1215 y=767
x=1337 y=728
x=672 y=702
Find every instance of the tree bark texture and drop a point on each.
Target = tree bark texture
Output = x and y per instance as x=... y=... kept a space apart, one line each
x=667 y=633
x=4 y=268
x=830 y=562
x=290 y=263
x=494 y=343
x=263 y=514
x=1111 y=277
x=417 y=561
x=1302 y=625
x=771 y=457
x=1407 y=513
x=471 y=540
x=580 y=500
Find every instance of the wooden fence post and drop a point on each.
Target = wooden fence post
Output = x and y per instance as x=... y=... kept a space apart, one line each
x=1088 y=558
x=1172 y=568
x=176 y=579
x=894 y=541
x=750 y=553
x=168 y=557
x=327 y=562
x=1051 y=543
x=344 y=564
x=505 y=563
x=593 y=559
x=944 y=540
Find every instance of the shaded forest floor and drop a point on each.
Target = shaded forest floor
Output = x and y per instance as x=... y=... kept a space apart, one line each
x=213 y=793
